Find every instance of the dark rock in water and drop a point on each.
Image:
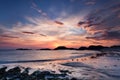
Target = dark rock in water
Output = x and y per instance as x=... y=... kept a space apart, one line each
x=15 y=70
x=16 y=74
x=73 y=79
x=25 y=74
x=93 y=57
x=57 y=75
x=100 y=54
x=64 y=71
x=2 y=72
x=45 y=73
x=57 y=79
x=26 y=71
x=42 y=75
x=37 y=75
x=13 y=73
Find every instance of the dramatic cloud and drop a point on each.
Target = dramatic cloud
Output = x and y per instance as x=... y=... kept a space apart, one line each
x=103 y=23
x=72 y=23
x=113 y=35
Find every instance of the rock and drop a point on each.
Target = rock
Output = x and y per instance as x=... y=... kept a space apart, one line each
x=2 y=72
x=37 y=75
x=64 y=71
x=26 y=71
x=73 y=79
x=25 y=74
x=13 y=73
x=93 y=57
x=16 y=74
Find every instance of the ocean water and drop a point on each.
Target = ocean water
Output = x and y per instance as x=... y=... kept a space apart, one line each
x=21 y=56
x=38 y=58
x=78 y=62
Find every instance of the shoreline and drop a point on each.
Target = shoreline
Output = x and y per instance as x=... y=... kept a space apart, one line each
x=75 y=68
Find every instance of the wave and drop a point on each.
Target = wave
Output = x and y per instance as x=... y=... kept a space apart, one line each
x=27 y=61
x=46 y=60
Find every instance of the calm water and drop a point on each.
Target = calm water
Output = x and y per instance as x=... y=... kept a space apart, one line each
x=39 y=55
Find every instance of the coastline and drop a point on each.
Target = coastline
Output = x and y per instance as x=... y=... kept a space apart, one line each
x=86 y=67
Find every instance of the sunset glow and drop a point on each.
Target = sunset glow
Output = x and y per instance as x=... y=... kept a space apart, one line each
x=48 y=24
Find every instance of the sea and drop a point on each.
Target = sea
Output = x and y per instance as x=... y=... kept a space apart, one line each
x=79 y=62
x=39 y=56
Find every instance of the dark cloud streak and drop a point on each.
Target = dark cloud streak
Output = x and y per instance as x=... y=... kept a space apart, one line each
x=58 y=22
x=8 y=36
x=26 y=32
x=43 y=35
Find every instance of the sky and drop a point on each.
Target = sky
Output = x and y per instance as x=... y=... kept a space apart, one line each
x=51 y=23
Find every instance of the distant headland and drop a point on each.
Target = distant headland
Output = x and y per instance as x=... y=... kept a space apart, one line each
x=23 y=49
x=91 y=47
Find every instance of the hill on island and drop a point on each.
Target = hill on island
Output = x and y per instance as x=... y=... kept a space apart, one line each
x=91 y=47
x=64 y=48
